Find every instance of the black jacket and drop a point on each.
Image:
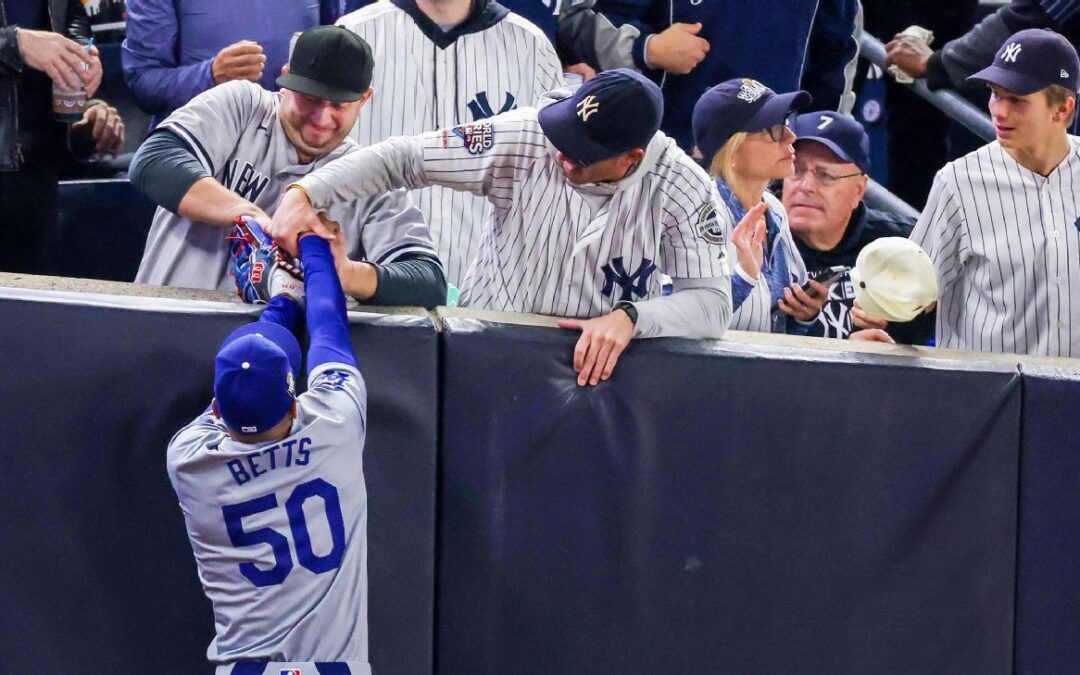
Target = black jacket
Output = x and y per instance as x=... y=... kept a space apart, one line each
x=975 y=50
x=68 y=17
x=865 y=226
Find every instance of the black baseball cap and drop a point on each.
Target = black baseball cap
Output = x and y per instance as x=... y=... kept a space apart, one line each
x=740 y=105
x=329 y=62
x=616 y=111
x=842 y=134
x=1031 y=61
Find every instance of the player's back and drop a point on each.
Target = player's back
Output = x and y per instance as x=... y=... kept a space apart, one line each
x=279 y=529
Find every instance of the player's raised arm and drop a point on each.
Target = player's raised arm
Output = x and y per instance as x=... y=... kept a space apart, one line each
x=471 y=158
x=328 y=324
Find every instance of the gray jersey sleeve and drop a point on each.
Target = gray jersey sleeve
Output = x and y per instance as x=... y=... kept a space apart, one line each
x=383 y=228
x=212 y=122
x=487 y=158
x=588 y=36
x=942 y=231
x=693 y=242
x=337 y=391
x=699 y=308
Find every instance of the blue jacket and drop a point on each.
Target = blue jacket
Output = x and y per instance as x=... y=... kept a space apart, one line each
x=171 y=44
x=786 y=44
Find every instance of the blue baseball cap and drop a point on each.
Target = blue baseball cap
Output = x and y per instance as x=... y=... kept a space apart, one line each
x=616 y=111
x=1031 y=61
x=839 y=133
x=254 y=375
x=738 y=105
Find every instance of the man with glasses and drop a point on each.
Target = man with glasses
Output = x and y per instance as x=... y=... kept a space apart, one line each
x=831 y=224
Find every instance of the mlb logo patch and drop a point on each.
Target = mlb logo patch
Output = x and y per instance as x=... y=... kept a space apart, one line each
x=290 y=671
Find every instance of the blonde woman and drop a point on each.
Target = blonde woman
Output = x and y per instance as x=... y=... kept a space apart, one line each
x=741 y=128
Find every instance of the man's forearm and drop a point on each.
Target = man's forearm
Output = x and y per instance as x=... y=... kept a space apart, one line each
x=390 y=165
x=208 y=201
x=699 y=308
x=417 y=281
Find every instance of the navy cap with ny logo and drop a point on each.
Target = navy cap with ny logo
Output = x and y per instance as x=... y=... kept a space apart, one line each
x=1031 y=61
x=614 y=112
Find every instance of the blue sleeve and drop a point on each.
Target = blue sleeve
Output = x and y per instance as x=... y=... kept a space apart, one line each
x=330 y=11
x=149 y=55
x=327 y=322
x=740 y=291
x=831 y=48
x=793 y=327
x=285 y=312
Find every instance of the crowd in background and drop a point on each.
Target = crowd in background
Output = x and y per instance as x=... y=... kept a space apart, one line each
x=172 y=52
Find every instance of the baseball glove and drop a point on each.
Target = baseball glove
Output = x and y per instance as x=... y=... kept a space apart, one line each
x=260 y=269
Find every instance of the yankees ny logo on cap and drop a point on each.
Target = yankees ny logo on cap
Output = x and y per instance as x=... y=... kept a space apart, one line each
x=587 y=108
x=1011 y=52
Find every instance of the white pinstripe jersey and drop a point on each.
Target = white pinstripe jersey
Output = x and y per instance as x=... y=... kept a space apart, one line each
x=425 y=79
x=551 y=247
x=234 y=131
x=1006 y=245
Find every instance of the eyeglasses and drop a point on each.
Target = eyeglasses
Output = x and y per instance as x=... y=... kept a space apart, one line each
x=823 y=177
x=776 y=131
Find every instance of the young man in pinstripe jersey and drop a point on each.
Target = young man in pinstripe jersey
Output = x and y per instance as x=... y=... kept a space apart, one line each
x=442 y=63
x=1003 y=223
x=589 y=202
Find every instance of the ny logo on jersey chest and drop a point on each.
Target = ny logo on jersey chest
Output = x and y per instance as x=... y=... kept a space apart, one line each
x=481 y=107
x=630 y=285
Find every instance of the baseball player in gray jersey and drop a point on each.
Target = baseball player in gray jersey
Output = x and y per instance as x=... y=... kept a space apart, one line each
x=272 y=489
x=232 y=149
x=443 y=64
x=589 y=202
x=1001 y=223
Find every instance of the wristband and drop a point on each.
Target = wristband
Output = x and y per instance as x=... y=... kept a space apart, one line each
x=628 y=307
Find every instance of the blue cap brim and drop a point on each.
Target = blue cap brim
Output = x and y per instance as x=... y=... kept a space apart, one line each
x=560 y=125
x=277 y=334
x=1013 y=82
x=835 y=149
x=776 y=109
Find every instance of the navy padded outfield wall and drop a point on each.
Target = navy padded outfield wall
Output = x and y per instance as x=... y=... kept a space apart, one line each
x=714 y=508
x=711 y=510
x=97 y=572
x=1048 y=565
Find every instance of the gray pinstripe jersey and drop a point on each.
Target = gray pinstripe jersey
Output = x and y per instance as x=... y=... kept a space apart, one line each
x=552 y=247
x=233 y=129
x=420 y=87
x=1006 y=245
x=279 y=529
